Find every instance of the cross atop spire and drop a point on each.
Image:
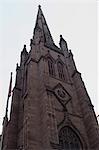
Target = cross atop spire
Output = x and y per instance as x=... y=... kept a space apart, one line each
x=41 y=30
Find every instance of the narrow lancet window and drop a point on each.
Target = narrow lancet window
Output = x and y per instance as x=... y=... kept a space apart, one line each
x=61 y=70
x=51 y=67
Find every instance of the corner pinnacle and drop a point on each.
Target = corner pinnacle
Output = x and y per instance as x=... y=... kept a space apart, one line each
x=61 y=36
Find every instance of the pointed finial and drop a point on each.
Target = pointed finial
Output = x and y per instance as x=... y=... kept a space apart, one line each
x=61 y=36
x=24 y=46
x=24 y=49
x=39 y=6
x=63 y=44
x=70 y=52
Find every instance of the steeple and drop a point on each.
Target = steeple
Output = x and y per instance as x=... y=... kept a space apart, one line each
x=50 y=107
x=41 y=30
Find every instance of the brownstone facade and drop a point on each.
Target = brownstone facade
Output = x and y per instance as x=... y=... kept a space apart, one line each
x=50 y=108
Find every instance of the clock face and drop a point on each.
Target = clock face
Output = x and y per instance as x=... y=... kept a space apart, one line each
x=62 y=94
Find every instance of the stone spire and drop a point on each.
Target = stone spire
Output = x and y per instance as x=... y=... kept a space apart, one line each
x=41 y=30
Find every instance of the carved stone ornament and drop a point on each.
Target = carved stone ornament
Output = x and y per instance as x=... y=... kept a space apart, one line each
x=62 y=94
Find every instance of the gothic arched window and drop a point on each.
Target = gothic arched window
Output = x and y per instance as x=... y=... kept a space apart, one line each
x=60 y=70
x=51 y=67
x=69 y=140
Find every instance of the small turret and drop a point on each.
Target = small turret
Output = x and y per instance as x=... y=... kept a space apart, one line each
x=63 y=46
x=24 y=50
x=17 y=67
x=24 y=55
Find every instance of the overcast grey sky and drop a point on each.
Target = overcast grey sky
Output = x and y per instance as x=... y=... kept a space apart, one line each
x=76 y=20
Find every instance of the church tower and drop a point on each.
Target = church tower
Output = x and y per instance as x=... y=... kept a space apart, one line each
x=50 y=106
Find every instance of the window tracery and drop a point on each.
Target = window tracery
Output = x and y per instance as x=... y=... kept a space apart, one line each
x=69 y=140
